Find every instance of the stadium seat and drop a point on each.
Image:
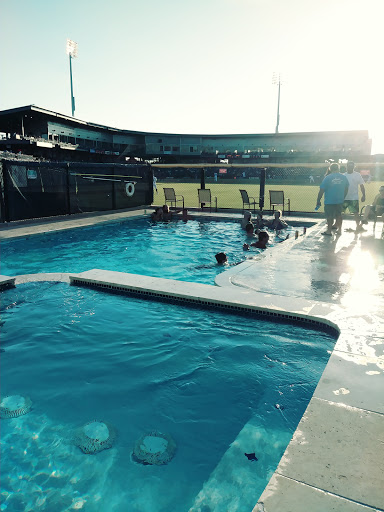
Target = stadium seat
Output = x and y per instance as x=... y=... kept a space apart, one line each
x=371 y=216
x=206 y=198
x=276 y=198
x=247 y=200
x=171 y=197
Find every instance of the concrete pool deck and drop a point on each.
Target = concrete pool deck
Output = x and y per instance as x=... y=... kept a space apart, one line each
x=335 y=458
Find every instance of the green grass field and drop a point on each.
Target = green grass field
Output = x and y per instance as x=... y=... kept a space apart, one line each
x=303 y=197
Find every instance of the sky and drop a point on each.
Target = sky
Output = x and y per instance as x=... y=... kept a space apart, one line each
x=202 y=66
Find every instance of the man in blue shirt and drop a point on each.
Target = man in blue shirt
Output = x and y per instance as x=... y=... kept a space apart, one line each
x=334 y=187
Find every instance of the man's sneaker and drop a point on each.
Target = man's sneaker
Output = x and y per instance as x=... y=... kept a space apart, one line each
x=359 y=229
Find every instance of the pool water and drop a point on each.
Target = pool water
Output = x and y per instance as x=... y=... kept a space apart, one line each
x=198 y=375
x=173 y=250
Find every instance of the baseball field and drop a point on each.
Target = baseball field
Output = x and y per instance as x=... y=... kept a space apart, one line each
x=302 y=197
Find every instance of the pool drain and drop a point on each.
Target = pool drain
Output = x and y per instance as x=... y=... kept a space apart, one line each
x=154 y=448
x=94 y=437
x=14 y=406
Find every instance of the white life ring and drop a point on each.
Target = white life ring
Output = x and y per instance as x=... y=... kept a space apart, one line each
x=130 y=189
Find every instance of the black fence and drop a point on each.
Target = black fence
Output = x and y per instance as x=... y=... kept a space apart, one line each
x=47 y=189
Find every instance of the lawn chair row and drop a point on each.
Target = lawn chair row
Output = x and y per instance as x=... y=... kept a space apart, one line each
x=204 y=195
x=276 y=198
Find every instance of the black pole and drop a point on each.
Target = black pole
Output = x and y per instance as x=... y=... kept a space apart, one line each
x=113 y=189
x=67 y=191
x=202 y=178
x=150 y=195
x=262 y=187
x=5 y=201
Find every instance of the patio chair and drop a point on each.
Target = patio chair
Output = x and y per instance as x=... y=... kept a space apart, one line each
x=371 y=216
x=206 y=198
x=276 y=198
x=247 y=200
x=171 y=197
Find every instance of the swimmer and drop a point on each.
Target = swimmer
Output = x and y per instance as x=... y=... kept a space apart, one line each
x=221 y=258
x=277 y=223
x=262 y=241
x=157 y=214
x=249 y=229
x=168 y=215
x=246 y=220
x=259 y=223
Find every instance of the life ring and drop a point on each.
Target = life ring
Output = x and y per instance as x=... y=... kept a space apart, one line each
x=130 y=189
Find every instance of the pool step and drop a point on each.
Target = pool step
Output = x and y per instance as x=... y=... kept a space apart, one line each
x=7 y=282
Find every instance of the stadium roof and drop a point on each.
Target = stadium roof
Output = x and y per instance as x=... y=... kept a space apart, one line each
x=10 y=122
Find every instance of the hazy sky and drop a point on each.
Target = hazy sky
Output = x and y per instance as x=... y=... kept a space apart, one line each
x=202 y=66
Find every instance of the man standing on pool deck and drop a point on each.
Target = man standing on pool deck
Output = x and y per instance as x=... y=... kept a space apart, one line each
x=335 y=188
x=351 y=201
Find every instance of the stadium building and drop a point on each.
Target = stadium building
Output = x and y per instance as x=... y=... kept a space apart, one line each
x=35 y=131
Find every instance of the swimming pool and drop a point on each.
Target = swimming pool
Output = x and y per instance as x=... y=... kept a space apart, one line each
x=198 y=375
x=174 y=250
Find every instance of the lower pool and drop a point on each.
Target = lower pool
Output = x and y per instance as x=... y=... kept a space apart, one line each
x=198 y=375
x=174 y=250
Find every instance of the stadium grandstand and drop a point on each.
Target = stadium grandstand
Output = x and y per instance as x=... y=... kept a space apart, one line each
x=48 y=135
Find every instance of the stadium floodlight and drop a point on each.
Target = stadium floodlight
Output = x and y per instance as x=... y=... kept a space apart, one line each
x=72 y=52
x=276 y=80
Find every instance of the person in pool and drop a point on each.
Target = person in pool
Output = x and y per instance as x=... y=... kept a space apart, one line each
x=259 y=222
x=277 y=223
x=249 y=229
x=221 y=258
x=246 y=219
x=157 y=215
x=168 y=215
x=261 y=243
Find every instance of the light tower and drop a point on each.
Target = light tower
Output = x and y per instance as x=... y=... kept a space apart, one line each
x=72 y=52
x=276 y=80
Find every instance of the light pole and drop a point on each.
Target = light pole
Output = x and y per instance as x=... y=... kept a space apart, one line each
x=72 y=52
x=276 y=80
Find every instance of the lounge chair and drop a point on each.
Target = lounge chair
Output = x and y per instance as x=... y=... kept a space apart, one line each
x=276 y=198
x=247 y=200
x=171 y=197
x=205 y=198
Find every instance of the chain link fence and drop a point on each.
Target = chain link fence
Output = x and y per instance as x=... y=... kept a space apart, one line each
x=43 y=189
x=299 y=185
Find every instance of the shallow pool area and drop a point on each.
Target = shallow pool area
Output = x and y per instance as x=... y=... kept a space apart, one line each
x=141 y=365
x=174 y=250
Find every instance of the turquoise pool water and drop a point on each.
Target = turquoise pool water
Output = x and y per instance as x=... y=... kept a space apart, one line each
x=199 y=375
x=174 y=250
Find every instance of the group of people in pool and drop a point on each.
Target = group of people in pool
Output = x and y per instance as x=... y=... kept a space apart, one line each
x=163 y=213
x=257 y=227
x=251 y=226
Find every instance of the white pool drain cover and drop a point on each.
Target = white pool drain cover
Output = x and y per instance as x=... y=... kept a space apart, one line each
x=14 y=406
x=95 y=436
x=154 y=448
